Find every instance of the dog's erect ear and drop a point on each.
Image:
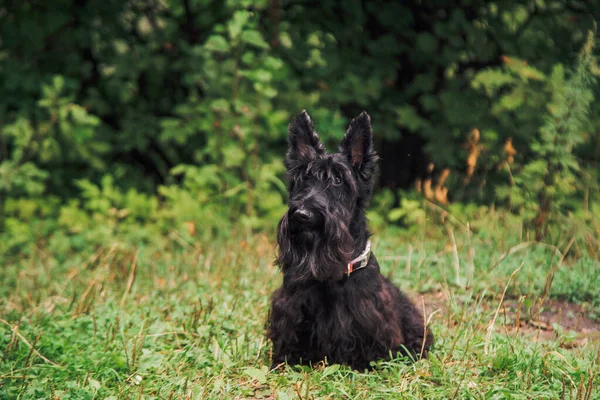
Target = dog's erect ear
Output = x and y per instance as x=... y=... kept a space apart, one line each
x=303 y=141
x=357 y=145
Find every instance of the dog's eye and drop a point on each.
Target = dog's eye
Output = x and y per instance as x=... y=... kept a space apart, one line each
x=337 y=180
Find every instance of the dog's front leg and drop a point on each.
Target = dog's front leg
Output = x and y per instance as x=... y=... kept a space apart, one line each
x=287 y=349
x=287 y=330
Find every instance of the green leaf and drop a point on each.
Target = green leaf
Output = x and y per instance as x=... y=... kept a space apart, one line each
x=273 y=63
x=233 y=155
x=330 y=370
x=281 y=395
x=217 y=43
x=491 y=79
x=58 y=81
x=286 y=40
x=237 y=23
x=259 y=375
x=511 y=101
x=220 y=105
x=259 y=75
x=395 y=214
x=254 y=38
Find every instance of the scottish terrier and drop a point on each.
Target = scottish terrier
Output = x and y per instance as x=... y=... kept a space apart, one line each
x=334 y=304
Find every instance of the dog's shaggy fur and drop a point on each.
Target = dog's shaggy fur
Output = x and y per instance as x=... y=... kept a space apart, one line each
x=321 y=312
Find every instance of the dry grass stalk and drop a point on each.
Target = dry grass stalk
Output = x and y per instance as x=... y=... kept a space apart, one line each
x=440 y=192
x=510 y=151
x=427 y=192
x=473 y=149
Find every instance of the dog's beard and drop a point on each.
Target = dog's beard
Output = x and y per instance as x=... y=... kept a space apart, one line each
x=320 y=254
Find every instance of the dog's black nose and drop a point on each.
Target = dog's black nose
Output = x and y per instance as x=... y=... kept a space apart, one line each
x=302 y=215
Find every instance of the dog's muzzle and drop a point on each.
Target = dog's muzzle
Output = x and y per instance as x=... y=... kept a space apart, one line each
x=304 y=219
x=303 y=216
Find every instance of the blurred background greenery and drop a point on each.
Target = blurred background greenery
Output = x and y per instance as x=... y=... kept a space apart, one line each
x=136 y=119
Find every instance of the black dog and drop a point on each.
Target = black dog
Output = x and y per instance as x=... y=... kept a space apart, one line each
x=334 y=303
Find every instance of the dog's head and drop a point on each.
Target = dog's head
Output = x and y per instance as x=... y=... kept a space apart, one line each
x=327 y=196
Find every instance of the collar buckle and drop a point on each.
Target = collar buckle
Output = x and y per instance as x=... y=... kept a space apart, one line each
x=362 y=260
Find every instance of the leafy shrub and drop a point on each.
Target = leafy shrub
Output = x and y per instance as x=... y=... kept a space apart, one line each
x=542 y=187
x=132 y=120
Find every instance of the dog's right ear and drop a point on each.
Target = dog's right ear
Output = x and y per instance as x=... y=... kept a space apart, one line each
x=303 y=142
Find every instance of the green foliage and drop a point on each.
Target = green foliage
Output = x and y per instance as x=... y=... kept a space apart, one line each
x=189 y=83
x=542 y=186
x=184 y=106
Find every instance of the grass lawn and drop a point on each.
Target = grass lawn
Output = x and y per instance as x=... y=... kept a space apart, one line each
x=183 y=318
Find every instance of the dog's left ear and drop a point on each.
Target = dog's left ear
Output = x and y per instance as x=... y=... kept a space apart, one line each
x=357 y=145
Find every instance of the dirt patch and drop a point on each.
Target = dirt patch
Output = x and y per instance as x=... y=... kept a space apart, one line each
x=556 y=319
x=570 y=316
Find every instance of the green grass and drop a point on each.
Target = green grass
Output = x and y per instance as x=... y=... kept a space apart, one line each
x=185 y=319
